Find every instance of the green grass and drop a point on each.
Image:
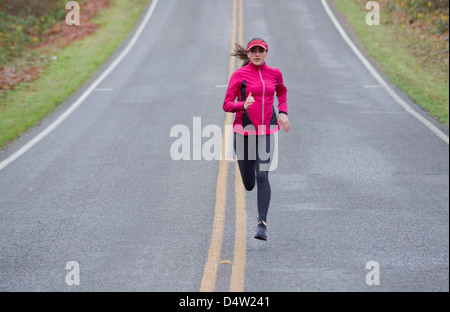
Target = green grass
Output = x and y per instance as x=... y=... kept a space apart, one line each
x=396 y=50
x=22 y=108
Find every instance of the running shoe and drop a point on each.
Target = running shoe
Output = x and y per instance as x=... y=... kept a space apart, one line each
x=261 y=231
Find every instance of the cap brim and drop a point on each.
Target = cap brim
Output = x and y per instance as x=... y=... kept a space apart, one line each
x=256 y=45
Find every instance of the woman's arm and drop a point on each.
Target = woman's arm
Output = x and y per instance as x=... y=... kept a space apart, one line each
x=281 y=91
x=229 y=104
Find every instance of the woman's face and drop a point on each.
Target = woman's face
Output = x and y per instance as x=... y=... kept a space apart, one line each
x=257 y=55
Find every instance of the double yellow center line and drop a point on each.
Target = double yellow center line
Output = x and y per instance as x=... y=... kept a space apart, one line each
x=240 y=243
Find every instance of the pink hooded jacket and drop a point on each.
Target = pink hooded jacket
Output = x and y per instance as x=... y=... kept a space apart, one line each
x=263 y=82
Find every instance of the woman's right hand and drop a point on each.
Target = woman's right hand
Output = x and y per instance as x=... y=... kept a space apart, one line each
x=249 y=101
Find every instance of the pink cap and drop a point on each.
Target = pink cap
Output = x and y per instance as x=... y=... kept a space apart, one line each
x=257 y=43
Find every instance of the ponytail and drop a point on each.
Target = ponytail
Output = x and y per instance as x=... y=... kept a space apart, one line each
x=241 y=53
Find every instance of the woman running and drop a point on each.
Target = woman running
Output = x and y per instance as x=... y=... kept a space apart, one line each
x=255 y=85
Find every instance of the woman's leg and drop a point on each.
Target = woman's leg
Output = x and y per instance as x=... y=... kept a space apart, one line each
x=253 y=166
x=258 y=169
x=262 y=176
x=246 y=164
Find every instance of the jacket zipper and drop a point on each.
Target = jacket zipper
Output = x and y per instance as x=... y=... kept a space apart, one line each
x=264 y=91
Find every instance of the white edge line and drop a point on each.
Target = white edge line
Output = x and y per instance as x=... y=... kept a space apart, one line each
x=382 y=82
x=86 y=93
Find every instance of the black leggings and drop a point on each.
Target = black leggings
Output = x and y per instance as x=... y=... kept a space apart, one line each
x=254 y=167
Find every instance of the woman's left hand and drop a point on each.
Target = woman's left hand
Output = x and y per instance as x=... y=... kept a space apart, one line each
x=284 y=122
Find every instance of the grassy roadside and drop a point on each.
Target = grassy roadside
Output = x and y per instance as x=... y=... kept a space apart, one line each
x=410 y=57
x=68 y=69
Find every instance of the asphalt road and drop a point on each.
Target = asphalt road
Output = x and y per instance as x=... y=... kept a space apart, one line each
x=359 y=179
